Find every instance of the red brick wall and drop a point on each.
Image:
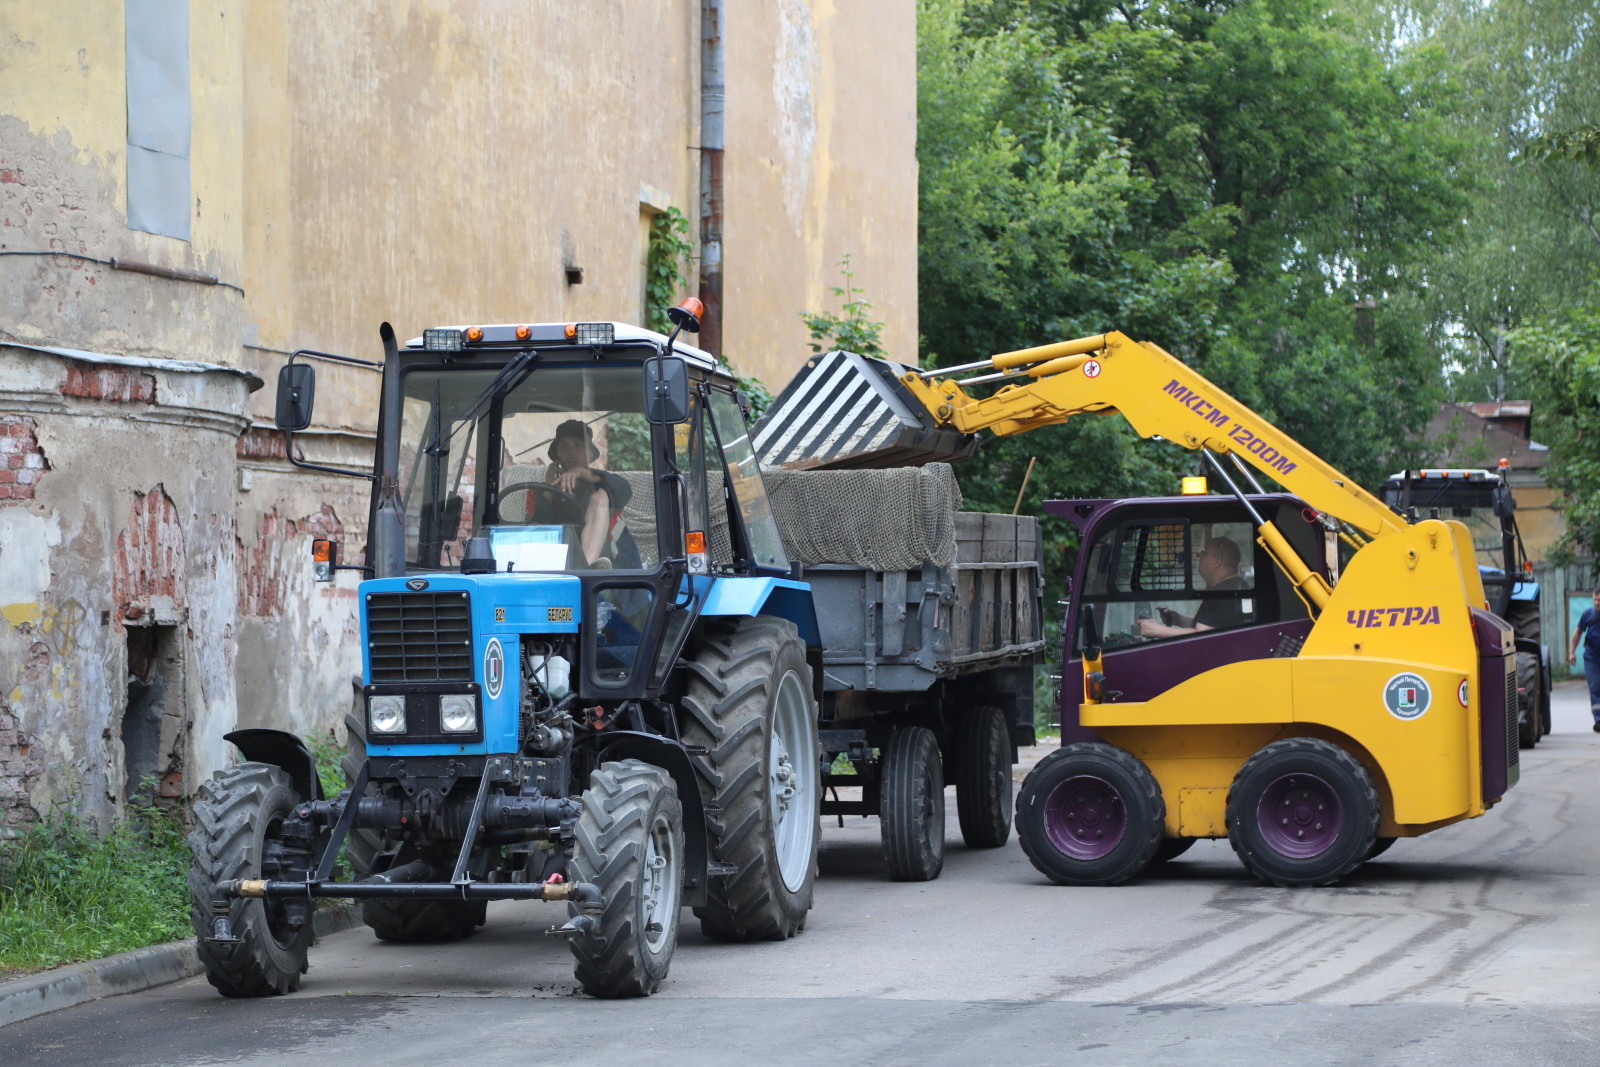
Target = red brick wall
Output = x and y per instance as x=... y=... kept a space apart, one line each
x=22 y=462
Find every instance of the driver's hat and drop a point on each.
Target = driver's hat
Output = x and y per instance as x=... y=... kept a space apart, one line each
x=574 y=428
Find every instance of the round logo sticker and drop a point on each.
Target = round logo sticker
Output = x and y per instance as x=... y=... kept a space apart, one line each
x=1091 y=369
x=1407 y=696
x=1461 y=692
x=494 y=668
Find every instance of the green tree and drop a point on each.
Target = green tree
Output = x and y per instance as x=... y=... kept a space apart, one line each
x=1562 y=361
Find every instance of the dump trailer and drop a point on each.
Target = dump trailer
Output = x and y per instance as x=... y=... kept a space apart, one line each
x=590 y=673
x=1224 y=675
x=1486 y=503
x=931 y=632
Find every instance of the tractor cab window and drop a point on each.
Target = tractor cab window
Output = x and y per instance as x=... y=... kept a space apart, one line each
x=743 y=473
x=549 y=462
x=1159 y=579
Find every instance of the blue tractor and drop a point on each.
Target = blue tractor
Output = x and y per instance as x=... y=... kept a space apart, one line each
x=590 y=674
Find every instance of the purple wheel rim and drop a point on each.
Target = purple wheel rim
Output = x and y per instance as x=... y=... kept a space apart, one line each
x=1299 y=815
x=1085 y=817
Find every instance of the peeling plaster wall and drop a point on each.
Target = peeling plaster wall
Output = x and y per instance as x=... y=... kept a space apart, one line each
x=129 y=523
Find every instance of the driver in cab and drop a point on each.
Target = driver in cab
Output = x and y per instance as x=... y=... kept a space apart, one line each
x=598 y=495
x=1218 y=566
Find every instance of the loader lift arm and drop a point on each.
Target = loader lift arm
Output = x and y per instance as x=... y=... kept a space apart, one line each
x=1111 y=373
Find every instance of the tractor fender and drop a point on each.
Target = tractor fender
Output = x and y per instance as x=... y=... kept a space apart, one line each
x=781 y=598
x=281 y=749
x=671 y=757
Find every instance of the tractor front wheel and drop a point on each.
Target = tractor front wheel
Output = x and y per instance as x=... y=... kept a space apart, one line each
x=238 y=817
x=1302 y=812
x=1090 y=814
x=629 y=843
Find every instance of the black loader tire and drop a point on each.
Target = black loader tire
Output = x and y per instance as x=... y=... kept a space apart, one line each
x=1171 y=848
x=1302 y=812
x=235 y=814
x=400 y=921
x=742 y=674
x=1090 y=787
x=983 y=778
x=911 y=809
x=1529 y=719
x=627 y=801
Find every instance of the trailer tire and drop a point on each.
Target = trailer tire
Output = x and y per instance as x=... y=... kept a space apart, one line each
x=983 y=778
x=629 y=843
x=1302 y=812
x=1078 y=795
x=402 y=922
x=749 y=704
x=1171 y=848
x=911 y=808
x=235 y=814
x=1380 y=845
x=1529 y=718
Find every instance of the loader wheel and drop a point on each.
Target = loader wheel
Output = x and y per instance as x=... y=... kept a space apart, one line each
x=400 y=921
x=1528 y=712
x=749 y=704
x=237 y=816
x=629 y=842
x=983 y=778
x=1171 y=848
x=911 y=812
x=1090 y=814
x=1302 y=812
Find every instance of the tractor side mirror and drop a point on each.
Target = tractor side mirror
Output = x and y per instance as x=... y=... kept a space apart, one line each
x=297 y=388
x=1504 y=503
x=666 y=391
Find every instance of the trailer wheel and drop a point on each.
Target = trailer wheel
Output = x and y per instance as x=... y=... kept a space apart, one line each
x=911 y=809
x=749 y=704
x=983 y=778
x=1302 y=812
x=400 y=921
x=1380 y=845
x=237 y=815
x=1529 y=718
x=1090 y=814
x=1171 y=848
x=629 y=842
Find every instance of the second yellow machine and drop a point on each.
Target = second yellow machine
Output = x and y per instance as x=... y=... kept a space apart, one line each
x=1223 y=675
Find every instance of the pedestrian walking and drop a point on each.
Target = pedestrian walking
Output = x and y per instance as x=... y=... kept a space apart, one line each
x=1588 y=631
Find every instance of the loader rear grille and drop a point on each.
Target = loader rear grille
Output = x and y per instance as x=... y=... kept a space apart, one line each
x=419 y=637
x=1513 y=714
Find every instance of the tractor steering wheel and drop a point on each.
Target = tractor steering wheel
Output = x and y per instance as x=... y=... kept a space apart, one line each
x=567 y=509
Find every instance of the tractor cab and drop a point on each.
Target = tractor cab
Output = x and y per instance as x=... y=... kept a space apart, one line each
x=1482 y=500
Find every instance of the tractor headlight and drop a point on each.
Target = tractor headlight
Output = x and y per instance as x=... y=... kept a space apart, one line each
x=386 y=714
x=458 y=713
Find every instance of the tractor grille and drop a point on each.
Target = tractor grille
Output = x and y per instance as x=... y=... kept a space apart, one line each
x=419 y=637
x=1513 y=709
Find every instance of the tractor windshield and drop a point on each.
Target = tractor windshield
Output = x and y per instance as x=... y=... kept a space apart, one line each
x=550 y=462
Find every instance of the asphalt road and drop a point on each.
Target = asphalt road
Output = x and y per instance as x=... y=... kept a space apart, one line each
x=1478 y=944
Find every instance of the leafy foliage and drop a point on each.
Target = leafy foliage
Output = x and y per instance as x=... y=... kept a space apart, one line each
x=1563 y=365
x=68 y=893
x=668 y=257
x=854 y=330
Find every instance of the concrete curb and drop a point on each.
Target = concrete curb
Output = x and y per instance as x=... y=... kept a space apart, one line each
x=127 y=972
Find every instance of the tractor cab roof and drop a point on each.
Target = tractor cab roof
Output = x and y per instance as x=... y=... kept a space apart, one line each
x=553 y=334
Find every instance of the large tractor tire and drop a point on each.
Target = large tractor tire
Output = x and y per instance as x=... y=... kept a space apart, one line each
x=1302 y=812
x=629 y=843
x=983 y=778
x=1090 y=814
x=401 y=921
x=1530 y=686
x=911 y=807
x=749 y=704
x=236 y=814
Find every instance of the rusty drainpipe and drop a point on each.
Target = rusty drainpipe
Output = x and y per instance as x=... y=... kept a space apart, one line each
x=713 y=95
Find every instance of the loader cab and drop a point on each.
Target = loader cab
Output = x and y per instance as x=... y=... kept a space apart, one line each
x=1168 y=588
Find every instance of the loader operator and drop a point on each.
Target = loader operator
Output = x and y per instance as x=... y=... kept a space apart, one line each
x=1218 y=565
x=599 y=494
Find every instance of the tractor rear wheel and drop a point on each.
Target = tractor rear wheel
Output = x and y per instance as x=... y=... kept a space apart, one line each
x=1090 y=814
x=400 y=921
x=983 y=778
x=749 y=705
x=238 y=815
x=911 y=808
x=629 y=843
x=1302 y=812
x=1529 y=720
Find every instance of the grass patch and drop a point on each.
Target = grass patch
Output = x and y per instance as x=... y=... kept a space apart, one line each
x=68 y=894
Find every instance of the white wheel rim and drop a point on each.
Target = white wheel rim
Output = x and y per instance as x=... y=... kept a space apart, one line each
x=793 y=777
x=659 y=883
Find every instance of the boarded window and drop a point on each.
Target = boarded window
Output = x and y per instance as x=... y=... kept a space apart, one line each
x=158 y=116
